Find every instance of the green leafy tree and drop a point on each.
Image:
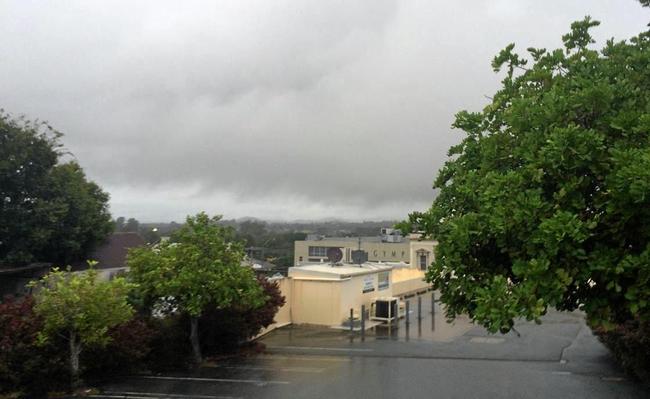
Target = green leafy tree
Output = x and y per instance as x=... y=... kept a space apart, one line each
x=546 y=201
x=80 y=308
x=48 y=210
x=199 y=268
x=86 y=220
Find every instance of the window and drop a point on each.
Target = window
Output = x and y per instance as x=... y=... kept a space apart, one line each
x=318 y=251
x=384 y=280
x=423 y=262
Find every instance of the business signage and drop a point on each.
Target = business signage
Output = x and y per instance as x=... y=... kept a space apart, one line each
x=369 y=283
x=385 y=254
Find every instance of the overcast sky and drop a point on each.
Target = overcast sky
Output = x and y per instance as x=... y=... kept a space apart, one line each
x=274 y=109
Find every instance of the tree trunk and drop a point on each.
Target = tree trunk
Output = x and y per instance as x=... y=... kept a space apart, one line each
x=194 y=339
x=75 y=350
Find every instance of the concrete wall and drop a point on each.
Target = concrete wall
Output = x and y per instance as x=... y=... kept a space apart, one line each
x=407 y=281
x=352 y=295
x=283 y=317
x=316 y=301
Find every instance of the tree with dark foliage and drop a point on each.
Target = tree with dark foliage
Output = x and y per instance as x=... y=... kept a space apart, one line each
x=199 y=269
x=546 y=201
x=223 y=330
x=49 y=211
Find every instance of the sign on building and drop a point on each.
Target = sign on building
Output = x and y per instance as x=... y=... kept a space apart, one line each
x=368 y=283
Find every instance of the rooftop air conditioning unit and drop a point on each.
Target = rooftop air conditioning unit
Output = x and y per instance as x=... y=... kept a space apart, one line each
x=385 y=309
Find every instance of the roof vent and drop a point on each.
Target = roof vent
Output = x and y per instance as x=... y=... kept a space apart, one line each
x=391 y=235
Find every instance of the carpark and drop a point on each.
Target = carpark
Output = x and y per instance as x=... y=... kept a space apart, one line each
x=426 y=358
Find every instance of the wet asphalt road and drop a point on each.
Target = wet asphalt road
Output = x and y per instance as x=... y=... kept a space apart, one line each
x=559 y=359
x=276 y=376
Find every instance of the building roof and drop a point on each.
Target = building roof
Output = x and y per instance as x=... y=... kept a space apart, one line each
x=258 y=264
x=335 y=272
x=112 y=254
x=378 y=239
x=350 y=239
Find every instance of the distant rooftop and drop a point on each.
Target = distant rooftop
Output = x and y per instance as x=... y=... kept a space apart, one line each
x=112 y=253
x=336 y=272
x=387 y=235
x=313 y=237
x=258 y=264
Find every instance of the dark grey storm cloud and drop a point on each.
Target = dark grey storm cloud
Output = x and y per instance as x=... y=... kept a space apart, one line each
x=274 y=109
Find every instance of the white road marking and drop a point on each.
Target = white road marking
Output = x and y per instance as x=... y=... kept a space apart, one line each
x=233 y=380
x=321 y=348
x=284 y=369
x=120 y=394
x=307 y=358
x=613 y=379
x=561 y=372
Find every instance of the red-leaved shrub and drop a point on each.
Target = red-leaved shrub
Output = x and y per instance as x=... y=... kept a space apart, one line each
x=126 y=353
x=223 y=330
x=25 y=366
x=36 y=369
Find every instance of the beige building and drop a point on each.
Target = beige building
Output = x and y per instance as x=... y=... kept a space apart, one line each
x=327 y=293
x=389 y=246
x=324 y=293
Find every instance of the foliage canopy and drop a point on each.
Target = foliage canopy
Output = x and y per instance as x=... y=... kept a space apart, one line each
x=49 y=211
x=81 y=308
x=199 y=267
x=546 y=201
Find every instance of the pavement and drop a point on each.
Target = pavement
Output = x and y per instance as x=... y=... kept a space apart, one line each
x=428 y=358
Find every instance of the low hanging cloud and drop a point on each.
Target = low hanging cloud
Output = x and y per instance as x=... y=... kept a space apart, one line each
x=279 y=110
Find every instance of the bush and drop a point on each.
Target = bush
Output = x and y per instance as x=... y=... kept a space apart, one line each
x=630 y=344
x=170 y=345
x=265 y=316
x=139 y=344
x=126 y=353
x=224 y=330
x=25 y=366
x=34 y=369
